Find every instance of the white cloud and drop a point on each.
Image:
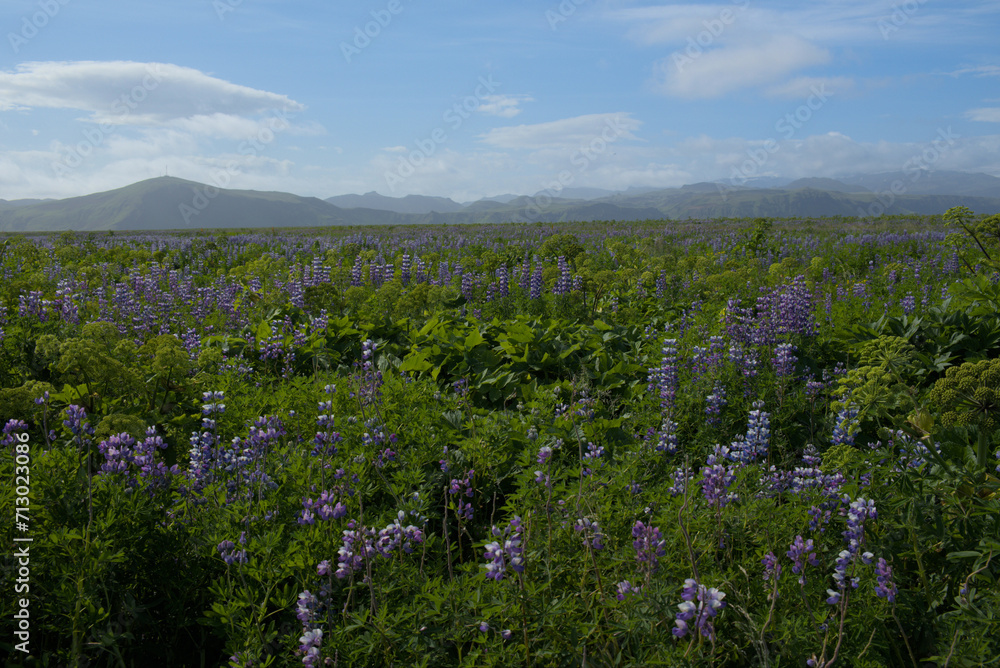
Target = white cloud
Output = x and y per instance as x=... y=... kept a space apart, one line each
x=834 y=154
x=132 y=93
x=984 y=114
x=568 y=133
x=979 y=71
x=505 y=106
x=833 y=22
x=803 y=87
x=227 y=126
x=718 y=71
x=713 y=49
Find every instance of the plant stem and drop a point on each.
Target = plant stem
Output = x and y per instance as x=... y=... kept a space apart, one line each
x=680 y=523
x=906 y=640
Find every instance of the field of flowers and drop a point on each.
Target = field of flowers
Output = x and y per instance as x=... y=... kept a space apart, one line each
x=727 y=443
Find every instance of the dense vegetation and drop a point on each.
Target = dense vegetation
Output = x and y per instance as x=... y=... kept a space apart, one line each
x=704 y=443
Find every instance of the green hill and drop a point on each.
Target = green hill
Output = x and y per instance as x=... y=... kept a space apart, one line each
x=170 y=203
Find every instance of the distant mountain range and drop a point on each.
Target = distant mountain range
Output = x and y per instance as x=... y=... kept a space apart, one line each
x=170 y=203
x=408 y=204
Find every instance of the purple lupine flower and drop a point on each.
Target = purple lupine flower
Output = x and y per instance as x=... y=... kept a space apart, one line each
x=76 y=422
x=772 y=569
x=755 y=442
x=624 y=588
x=908 y=303
x=859 y=511
x=306 y=607
x=503 y=281
x=649 y=545
x=667 y=375
x=537 y=282
x=802 y=553
x=356 y=271
x=463 y=487
x=357 y=547
x=564 y=283
x=661 y=284
x=884 y=587
x=716 y=479
x=325 y=442
x=912 y=453
x=384 y=457
x=326 y=508
x=405 y=270
x=810 y=456
x=814 y=388
x=509 y=552
x=784 y=360
x=591 y=532
x=496 y=561
x=11 y=427
x=680 y=479
x=715 y=402
x=229 y=553
x=666 y=436
x=846 y=425
x=817 y=518
x=840 y=577
x=117 y=451
x=594 y=453
x=395 y=536
x=309 y=645
x=700 y=604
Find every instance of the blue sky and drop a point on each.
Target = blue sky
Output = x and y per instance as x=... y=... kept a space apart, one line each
x=467 y=100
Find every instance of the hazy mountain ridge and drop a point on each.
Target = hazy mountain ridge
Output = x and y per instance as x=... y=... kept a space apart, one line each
x=407 y=204
x=170 y=203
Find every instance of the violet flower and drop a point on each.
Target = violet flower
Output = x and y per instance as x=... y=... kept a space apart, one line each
x=507 y=551
x=700 y=604
x=884 y=587
x=649 y=545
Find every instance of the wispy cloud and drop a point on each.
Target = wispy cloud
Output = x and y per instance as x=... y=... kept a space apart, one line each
x=978 y=71
x=505 y=106
x=802 y=87
x=984 y=114
x=568 y=133
x=713 y=49
x=133 y=93
x=726 y=69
